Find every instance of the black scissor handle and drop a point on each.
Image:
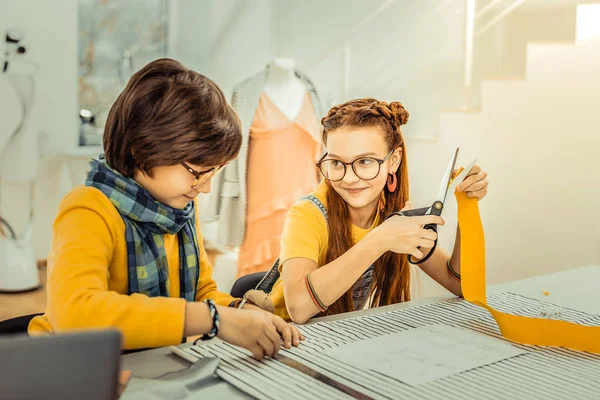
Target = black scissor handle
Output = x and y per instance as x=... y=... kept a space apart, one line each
x=431 y=227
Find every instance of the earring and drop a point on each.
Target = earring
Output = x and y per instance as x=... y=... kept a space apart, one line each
x=392 y=182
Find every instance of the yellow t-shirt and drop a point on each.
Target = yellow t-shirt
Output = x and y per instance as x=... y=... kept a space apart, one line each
x=306 y=236
x=88 y=281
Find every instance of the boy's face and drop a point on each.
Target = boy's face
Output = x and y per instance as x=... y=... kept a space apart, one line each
x=172 y=185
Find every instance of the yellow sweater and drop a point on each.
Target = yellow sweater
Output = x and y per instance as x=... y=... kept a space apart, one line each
x=88 y=282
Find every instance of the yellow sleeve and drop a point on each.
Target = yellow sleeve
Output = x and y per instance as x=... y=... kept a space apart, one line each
x=78 y=296
x=207 y=287
x=304 y=234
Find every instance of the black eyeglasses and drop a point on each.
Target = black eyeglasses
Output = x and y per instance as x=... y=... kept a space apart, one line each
x=202 y=176
x=366 y=168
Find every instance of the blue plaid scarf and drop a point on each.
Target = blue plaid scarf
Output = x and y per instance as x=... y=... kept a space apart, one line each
x=146 y=221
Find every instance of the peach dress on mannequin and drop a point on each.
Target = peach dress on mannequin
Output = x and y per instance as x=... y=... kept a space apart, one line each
x=281 y=169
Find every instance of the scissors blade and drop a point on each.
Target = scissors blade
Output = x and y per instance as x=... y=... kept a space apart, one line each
x=443 y=190
x=415 y=212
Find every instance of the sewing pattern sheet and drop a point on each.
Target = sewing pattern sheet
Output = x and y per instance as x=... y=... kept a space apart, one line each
x=422 y=355
x=541 y=373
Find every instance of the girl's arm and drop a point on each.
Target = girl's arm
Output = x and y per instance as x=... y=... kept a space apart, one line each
x=330 y=281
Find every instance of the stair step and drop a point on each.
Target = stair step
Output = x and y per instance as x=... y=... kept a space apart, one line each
x=518 y=96
x=563 y=61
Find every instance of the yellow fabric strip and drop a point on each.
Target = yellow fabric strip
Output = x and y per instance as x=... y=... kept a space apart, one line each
x=525 y=330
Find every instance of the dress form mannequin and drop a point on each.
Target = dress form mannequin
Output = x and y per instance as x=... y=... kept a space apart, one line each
x=284 y=88
x=12 y=111
x=18 y=165
x=19 y=155
x=284 y=144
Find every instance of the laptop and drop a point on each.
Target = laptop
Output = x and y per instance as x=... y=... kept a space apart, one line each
x=67 y=366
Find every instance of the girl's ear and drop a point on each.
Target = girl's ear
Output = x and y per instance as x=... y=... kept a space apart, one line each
x=396 y=159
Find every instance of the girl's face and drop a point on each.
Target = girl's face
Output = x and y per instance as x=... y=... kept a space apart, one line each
x=173 y=185
x=362 y=185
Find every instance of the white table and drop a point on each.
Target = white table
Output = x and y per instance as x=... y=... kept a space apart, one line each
x=572 y=289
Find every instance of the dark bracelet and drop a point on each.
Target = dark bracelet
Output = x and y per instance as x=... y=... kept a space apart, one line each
x=215 y=321
x=311 y=291
x=455 y=274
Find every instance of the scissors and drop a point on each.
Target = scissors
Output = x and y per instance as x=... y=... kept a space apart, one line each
x=448 y=185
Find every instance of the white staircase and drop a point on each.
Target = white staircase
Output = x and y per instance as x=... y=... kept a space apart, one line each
x=549 y=62
x=539 y=139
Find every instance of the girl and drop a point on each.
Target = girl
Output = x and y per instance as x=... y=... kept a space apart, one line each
x=338 y=250
x=127 y=249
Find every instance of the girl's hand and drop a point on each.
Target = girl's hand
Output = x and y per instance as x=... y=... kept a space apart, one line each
x=475 y=184
x=406 y=235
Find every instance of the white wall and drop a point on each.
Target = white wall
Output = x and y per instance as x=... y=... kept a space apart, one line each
x=190 y=27
x=227 y=40
x=246 y=46
x=392 y=52
x=413 y=51
x=556 y=24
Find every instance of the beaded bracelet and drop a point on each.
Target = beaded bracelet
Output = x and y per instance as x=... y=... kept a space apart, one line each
x=215 y=321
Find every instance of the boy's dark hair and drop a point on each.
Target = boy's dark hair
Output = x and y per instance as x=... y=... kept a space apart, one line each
x=168 y=114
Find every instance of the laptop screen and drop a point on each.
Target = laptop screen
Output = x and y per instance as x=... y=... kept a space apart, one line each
x=67 y=366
